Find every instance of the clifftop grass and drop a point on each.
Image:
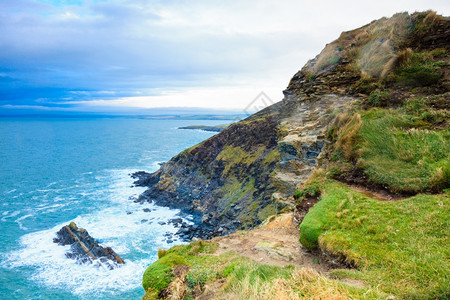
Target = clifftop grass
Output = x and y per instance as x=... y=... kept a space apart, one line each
x=187 y=272
x=406 y=150
x=400 y=247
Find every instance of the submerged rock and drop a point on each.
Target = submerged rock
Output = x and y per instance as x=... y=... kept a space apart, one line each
x=84 y=248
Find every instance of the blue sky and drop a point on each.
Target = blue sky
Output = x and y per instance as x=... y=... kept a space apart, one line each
x=131 y=56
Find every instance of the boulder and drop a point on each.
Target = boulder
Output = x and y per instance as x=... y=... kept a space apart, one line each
x=274 y=249
x=85 y=248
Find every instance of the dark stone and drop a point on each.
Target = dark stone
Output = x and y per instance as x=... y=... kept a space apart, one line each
x=161 y=223
x=143 y=178
x=176 y=220
x=287 y=148
x=147 y=210
x=85 y=248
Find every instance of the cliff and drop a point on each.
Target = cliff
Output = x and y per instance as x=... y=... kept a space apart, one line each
x=358 y=156
x=249 y=171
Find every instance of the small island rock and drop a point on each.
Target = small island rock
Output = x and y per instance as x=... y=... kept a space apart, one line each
x=85 y=248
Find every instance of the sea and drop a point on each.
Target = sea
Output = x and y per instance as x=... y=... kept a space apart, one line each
x=54 y=171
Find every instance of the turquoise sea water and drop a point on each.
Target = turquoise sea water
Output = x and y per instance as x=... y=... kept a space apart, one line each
x=54 y=171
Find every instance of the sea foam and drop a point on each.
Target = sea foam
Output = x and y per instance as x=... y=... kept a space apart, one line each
x=117 y=223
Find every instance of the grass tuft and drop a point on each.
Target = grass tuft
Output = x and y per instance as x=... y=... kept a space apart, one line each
x=419 y=69
x=161 y=252
x=399 y=151
x=406 y=150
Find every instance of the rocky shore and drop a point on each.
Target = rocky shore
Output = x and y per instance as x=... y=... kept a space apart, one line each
x=203 y=227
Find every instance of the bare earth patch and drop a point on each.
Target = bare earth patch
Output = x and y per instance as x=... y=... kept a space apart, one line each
x=275 y=243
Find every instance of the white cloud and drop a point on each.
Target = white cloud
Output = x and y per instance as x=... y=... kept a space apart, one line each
x=199 y=48
x=219 y=98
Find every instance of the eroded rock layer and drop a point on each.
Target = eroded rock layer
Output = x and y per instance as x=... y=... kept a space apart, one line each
x=84 y=248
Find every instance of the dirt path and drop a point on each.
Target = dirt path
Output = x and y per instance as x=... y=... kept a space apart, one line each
x=380 y=195
x=274 y=243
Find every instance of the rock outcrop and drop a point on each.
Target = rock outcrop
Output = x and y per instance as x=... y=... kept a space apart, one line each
x=217 y=128
x=250 y=170
x=84 y=248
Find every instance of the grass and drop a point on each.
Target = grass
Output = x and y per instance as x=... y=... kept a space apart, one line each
x=234 y=155
x=231 y=276
x=378 y=98
x=159 y=275
x=375 y=56
x=256 y=281
x=420 y=68
x=401 y=142
x=329 y=56
x=400 y=247
x=425 y=23
x=406 y=150
x=398 y=151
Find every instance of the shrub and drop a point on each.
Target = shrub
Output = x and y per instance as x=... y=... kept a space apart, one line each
x=419 y=70
x=378 y=98
x=311 y=77
x=313 y=190
x=158 y=276
x=161 y=252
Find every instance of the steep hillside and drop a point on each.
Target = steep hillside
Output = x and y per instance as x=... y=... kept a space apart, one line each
x=362 y=131
x=239 y=177
x=250 y=170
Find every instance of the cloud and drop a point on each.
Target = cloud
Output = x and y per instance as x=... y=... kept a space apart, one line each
x=62 y=50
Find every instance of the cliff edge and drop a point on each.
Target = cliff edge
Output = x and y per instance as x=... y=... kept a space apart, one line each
x=358 y=156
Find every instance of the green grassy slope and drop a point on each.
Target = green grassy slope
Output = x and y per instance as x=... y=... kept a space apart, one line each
x=401 y=247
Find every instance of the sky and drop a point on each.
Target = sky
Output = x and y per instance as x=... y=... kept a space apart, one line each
x=142 y=56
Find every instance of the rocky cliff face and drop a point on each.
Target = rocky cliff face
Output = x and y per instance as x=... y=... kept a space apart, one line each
x=249 y=171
